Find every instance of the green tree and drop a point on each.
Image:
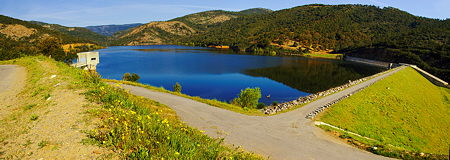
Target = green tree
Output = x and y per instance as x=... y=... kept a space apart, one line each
x=51 y=47
x=177 y=87
x=248 y=98
x=126 y=77
x=130 y=77
x=135 y=77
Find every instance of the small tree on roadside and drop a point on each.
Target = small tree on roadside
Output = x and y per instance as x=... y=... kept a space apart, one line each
x=130 y=77
x=51 y=47
x=248 y=98
x=126 y=77
x=177 y=87
x=135 y=77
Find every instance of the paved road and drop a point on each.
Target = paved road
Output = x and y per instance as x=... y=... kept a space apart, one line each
x=284 y=136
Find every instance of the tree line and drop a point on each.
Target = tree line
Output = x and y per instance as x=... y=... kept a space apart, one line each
x=386 y=34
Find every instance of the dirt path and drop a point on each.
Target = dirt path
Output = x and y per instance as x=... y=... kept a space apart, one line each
x=57 y=132
x=285 y=136
x=12 y=80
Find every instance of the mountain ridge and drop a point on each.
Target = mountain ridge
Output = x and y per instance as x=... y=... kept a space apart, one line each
x=191 y=24
x=20 y=38
x=74 y=31
x=111 y=29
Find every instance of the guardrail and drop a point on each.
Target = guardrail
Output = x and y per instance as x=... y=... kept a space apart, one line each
x=433 y=79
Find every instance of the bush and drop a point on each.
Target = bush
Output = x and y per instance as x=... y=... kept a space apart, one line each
x=248 y=98
x=260 y=105
x=134 y=77
x=177 y=87
x=274 y=103
x=130 y=77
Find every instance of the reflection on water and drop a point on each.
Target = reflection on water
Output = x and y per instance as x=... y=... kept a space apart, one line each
x=314 y=76
x=208 y=73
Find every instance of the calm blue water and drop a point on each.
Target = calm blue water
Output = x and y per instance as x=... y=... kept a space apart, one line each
x=209 y=73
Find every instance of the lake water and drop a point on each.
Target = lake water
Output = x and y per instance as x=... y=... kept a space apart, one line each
x=218 y=74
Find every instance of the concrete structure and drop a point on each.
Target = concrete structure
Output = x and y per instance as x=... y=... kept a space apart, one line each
x=386 y=65
x=87 y=60
x=433 y=79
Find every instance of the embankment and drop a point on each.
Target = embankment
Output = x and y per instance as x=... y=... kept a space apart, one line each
x=386 y=65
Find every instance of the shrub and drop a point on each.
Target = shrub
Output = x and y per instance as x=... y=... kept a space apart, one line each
x=126 y=77
x=177 y=87
x=274 y=103
x=134 y=77
x=130 y=77
x=248 y=98
x=260 y=105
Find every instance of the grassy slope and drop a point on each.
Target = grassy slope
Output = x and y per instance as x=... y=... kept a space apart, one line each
x=328 y=56
x=404 y=110
x=134 y=127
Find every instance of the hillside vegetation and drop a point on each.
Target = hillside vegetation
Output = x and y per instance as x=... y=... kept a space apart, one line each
x=132 y=127
x=154 y=33
x=21 y=38
x=171 y=31
x=109 y=30
x=404 y=110
x=387 y=34
x=79 y=32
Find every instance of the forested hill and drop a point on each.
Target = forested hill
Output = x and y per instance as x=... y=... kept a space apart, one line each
x=19 y=38
x=79 y=32
x=207 y=19
x=171 y=31
x=109 y=30
x=387 y=34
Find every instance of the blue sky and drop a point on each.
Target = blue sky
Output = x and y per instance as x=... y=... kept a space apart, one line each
x=99 y=12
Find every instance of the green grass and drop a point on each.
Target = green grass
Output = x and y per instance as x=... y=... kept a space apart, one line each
x=404 y=110
x=212 y=102
x=34 y=117
x=29 y=106
x=328 y=56
x=42 y=144
x=132 y=126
